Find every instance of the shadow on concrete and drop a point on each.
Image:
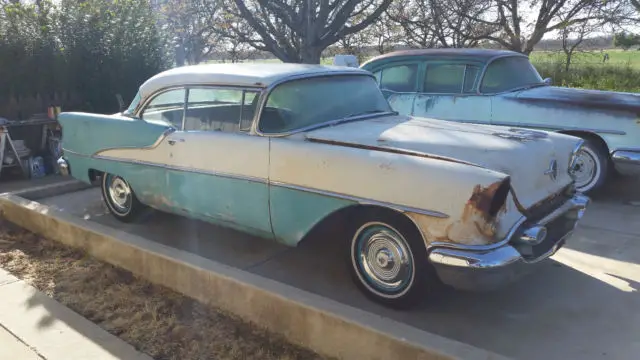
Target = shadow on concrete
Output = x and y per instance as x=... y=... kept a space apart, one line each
x=556 y=308
x=551 y=313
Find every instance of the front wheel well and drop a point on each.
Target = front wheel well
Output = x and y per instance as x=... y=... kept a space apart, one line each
x=340 y=221
x=592 y=137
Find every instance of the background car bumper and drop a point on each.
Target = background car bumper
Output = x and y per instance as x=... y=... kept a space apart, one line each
x=627 y=162
x=467 y=269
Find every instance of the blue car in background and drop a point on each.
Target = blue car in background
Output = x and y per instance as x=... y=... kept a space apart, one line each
x=500 y=87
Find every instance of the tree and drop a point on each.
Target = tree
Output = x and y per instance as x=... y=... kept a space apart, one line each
x=626 y=40
x=442 y=23
x=572 y=38
x=516 y=33
x=300 y=30
x=193 y=26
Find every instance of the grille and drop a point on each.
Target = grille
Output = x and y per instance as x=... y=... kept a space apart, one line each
x=548 y=205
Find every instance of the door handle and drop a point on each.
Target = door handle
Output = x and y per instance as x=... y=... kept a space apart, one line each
x=174 y=141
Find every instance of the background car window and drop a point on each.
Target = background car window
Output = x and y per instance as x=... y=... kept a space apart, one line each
x=167 y=107
x=400 y=78
x=215 y=109
x=444 y=78
x=470 y=79
x=509 y=73
x=301 y=103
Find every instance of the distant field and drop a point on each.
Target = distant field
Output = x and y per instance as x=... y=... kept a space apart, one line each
x=629 y=58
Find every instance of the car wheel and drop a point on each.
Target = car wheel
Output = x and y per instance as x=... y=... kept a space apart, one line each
x=388 y=261
x=120 y=198
x=592 y=167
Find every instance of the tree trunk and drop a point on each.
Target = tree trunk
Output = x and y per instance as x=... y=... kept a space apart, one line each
x=568 y=62
x=311 y=56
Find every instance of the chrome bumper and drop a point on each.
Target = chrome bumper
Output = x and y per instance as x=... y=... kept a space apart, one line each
x=63 y=167
x=468 y=269
x=627 y=162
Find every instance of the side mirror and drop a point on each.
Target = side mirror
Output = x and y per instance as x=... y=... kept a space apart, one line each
x=548 y=81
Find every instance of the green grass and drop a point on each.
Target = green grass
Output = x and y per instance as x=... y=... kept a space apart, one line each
x=617 y=58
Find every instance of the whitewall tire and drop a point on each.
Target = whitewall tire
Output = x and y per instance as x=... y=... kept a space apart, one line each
x=388 y=260
x=592 y=167
x=120 y=199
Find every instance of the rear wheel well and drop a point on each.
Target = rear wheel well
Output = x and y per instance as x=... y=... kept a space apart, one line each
x=95 y=175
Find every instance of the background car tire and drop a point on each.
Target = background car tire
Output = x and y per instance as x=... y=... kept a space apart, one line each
x=377 y=241
x=120 y=199
x=593 y=155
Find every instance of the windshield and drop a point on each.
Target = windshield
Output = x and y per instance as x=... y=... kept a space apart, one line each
x=510 y=73
x=301 y=103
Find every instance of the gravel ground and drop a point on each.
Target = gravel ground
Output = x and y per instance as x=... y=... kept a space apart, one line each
x=157 y=321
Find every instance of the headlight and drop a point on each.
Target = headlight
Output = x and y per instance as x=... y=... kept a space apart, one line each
x=573 y=159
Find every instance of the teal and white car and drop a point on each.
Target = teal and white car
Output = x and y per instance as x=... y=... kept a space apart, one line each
x=280 y=150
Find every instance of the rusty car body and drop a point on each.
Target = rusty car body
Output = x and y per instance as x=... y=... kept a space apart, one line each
x=278 y=150
x=502 y=87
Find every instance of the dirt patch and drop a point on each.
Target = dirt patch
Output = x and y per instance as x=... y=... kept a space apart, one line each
x=155 y=320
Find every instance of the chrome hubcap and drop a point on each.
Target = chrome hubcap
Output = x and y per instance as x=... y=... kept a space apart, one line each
x=384 y=258
x=119 y=194
x=584 y=169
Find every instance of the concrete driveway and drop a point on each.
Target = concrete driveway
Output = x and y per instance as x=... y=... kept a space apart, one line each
x=582 y=304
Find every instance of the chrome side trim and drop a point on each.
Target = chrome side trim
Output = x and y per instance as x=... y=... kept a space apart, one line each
x=183 y=169
x=157 y=143
x=360 y=200
x=630 y=153
x=555 y=127
x=363 y=201
x=65 y=151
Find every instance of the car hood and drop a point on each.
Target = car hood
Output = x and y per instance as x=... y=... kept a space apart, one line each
x=594 y=99
x=525 y=155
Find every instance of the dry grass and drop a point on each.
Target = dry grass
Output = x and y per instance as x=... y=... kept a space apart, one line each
x=157 y=321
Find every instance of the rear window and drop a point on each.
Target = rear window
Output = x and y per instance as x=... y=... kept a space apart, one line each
x=509 y=73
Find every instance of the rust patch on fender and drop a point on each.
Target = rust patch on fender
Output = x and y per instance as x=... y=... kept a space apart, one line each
x=476 y=225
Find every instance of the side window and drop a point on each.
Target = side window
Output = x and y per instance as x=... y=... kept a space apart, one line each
x=444 y=78
x=450 y=78
x=218 y=109
x=399 y=78
x=167 y=107
x=470 y=79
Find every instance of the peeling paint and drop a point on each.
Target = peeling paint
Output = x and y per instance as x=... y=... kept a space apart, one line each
x=481 y=200
x=475 y=226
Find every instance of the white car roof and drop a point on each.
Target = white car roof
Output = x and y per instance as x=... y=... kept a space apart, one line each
x=238 y=74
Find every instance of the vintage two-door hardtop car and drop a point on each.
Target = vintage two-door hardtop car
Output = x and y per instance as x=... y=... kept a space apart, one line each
x=277 y=150
x=502 y=87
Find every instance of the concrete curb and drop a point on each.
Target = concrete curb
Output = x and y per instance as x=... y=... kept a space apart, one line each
x=323 y=325
x=59 y=188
